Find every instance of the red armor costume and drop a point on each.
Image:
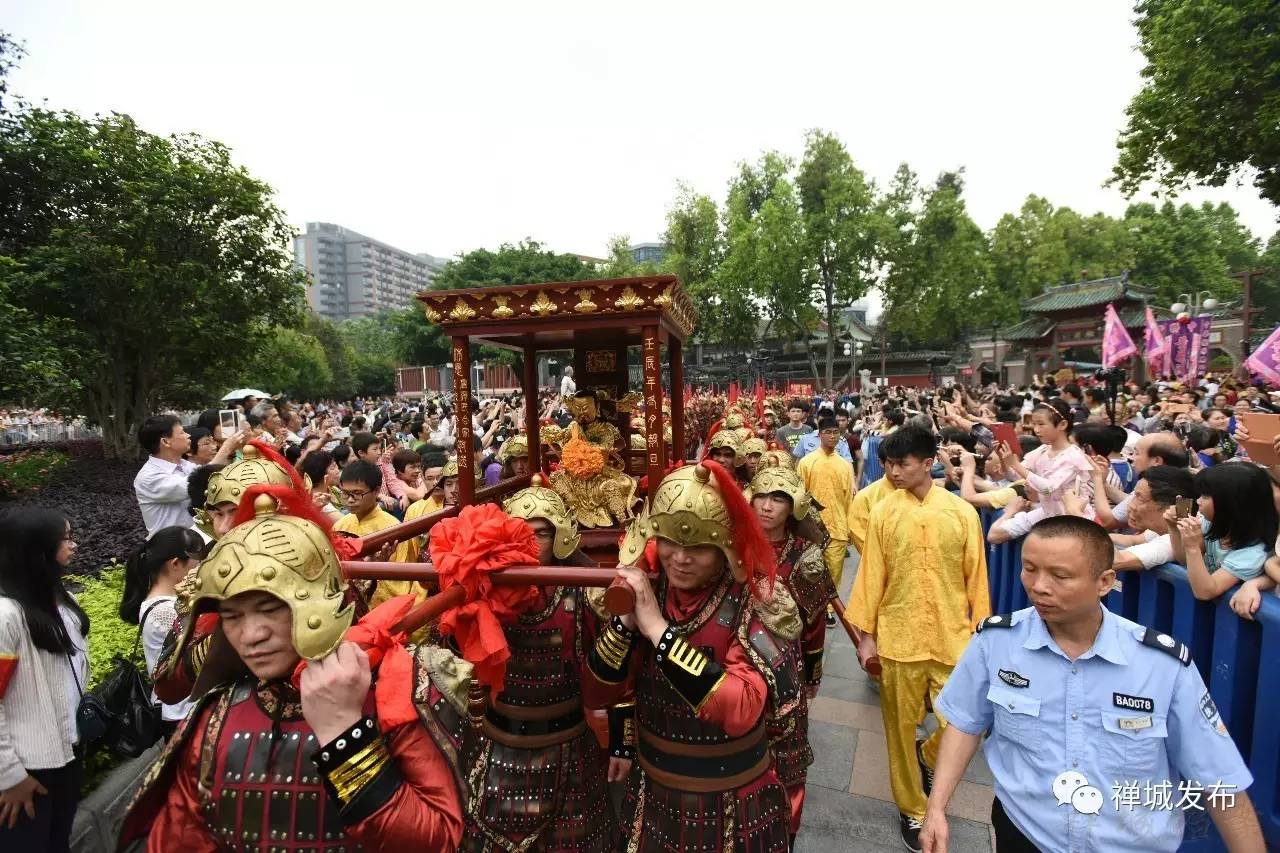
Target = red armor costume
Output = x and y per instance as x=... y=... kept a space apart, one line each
x=244 y=771
x=705 y=777
x=802 y=570
x=537 y=773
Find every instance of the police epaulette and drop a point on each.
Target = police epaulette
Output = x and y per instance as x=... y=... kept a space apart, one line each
x=1156 y=640
x=1000 y=620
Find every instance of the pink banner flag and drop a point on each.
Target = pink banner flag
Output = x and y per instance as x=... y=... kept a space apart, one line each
x=1155 y=344
x=1265 y=361
x=1116 y=343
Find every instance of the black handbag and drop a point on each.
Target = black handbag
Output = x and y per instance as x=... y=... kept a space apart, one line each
x=119 y=714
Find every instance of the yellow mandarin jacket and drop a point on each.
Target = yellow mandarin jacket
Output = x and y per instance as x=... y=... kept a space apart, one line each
x=375 y=522
x=921 y=587
x=829 y=478
x=860 y=516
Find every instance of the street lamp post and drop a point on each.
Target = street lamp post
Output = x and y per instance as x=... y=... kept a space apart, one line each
x=1193 y=306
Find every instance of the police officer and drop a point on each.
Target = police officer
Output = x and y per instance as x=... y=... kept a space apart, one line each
x=1102 y=732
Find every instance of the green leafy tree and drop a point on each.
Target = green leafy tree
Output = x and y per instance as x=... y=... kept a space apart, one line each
x=1209 y=108
x=415 y=341
x=940 y=270
x=622 y=263
x=841 y=227
x=155 y=263
x=1266 y=288
x=695 y=247
x=292 y=362
x=764 y=257
x=526 y=262
x=1186 y=249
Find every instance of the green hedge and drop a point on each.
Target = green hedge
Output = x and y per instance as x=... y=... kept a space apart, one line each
x=24 y=472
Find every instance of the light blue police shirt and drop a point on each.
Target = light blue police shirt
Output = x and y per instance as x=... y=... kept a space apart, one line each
x=809 y=442
x=1132 y=709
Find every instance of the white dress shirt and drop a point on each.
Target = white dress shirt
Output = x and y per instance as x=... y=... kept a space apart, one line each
x=161 y=489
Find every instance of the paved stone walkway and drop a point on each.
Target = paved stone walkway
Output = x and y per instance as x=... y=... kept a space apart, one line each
x=848 y=804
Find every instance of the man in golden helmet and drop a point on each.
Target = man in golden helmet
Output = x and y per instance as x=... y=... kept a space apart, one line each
x=368 y=770
x=258 y=464
x=708 y=654
x=752 y=451
x=723 y=448
x=793 y=526
x=538 y=779
x=513 y=459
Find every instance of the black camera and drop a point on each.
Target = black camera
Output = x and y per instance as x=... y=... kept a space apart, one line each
x=1110 y=375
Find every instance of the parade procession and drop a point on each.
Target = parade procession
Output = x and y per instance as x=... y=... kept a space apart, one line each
x=910 y=482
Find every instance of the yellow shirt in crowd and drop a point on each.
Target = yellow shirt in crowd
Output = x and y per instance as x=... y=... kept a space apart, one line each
x=921 y=587
x=860 y=515
x=376 y=521
x=830 y=480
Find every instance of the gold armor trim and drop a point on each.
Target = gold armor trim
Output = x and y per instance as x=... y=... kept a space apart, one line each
x=778 y=459
x=788 y=482
x=538 y=501
x=688 y=510
x=230 y=484
x=688 y=658
x=288 y=557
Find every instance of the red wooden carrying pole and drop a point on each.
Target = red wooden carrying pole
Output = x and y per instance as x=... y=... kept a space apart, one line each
x=656 y=451
x=619 y=600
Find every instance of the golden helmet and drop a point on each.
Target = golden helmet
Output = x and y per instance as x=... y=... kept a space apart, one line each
x=450 y=469
x=726 y=438
x=284 y=555
x=251 y=469
x=688 y=509
x=784 y=481
x=513 y=448
x=778 y=459
x=638 y=441
x=734 y=420
x=229 y=484
x=538 y=501
x=752 y=445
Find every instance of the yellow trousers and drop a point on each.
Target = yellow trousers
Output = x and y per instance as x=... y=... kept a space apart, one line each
x=834 y=556
x=903 y=688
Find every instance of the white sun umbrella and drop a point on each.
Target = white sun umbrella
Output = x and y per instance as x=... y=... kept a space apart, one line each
x=241 y=393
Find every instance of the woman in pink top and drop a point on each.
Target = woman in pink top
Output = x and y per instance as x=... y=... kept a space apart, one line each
x=1051 y=470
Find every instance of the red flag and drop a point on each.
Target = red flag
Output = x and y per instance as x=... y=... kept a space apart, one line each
x=733 y=392
x=688 y=393
x=759 y=400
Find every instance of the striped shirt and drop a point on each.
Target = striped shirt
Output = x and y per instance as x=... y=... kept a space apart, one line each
x=38 y=705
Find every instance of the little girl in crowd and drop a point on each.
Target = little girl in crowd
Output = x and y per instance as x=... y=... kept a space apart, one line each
x=1054 y=468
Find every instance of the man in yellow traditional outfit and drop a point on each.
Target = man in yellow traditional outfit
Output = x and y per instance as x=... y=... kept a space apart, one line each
x=864 y=502
x=920 y=592
x=829 y=478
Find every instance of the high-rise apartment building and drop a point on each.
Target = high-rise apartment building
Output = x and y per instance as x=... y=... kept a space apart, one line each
x=354 y=276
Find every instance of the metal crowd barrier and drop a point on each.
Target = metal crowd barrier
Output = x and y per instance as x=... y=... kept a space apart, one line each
x=1238 y=659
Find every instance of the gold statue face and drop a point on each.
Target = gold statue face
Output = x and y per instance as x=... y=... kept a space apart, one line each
x=584 y=408
x=287 y=557
x=538 y=501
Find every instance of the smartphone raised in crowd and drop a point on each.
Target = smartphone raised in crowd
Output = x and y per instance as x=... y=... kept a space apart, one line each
x=1184 y=508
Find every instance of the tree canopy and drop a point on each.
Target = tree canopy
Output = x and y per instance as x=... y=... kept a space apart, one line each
x=1209 y=108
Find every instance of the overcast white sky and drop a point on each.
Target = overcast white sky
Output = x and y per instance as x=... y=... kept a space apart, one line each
x=445 y=127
